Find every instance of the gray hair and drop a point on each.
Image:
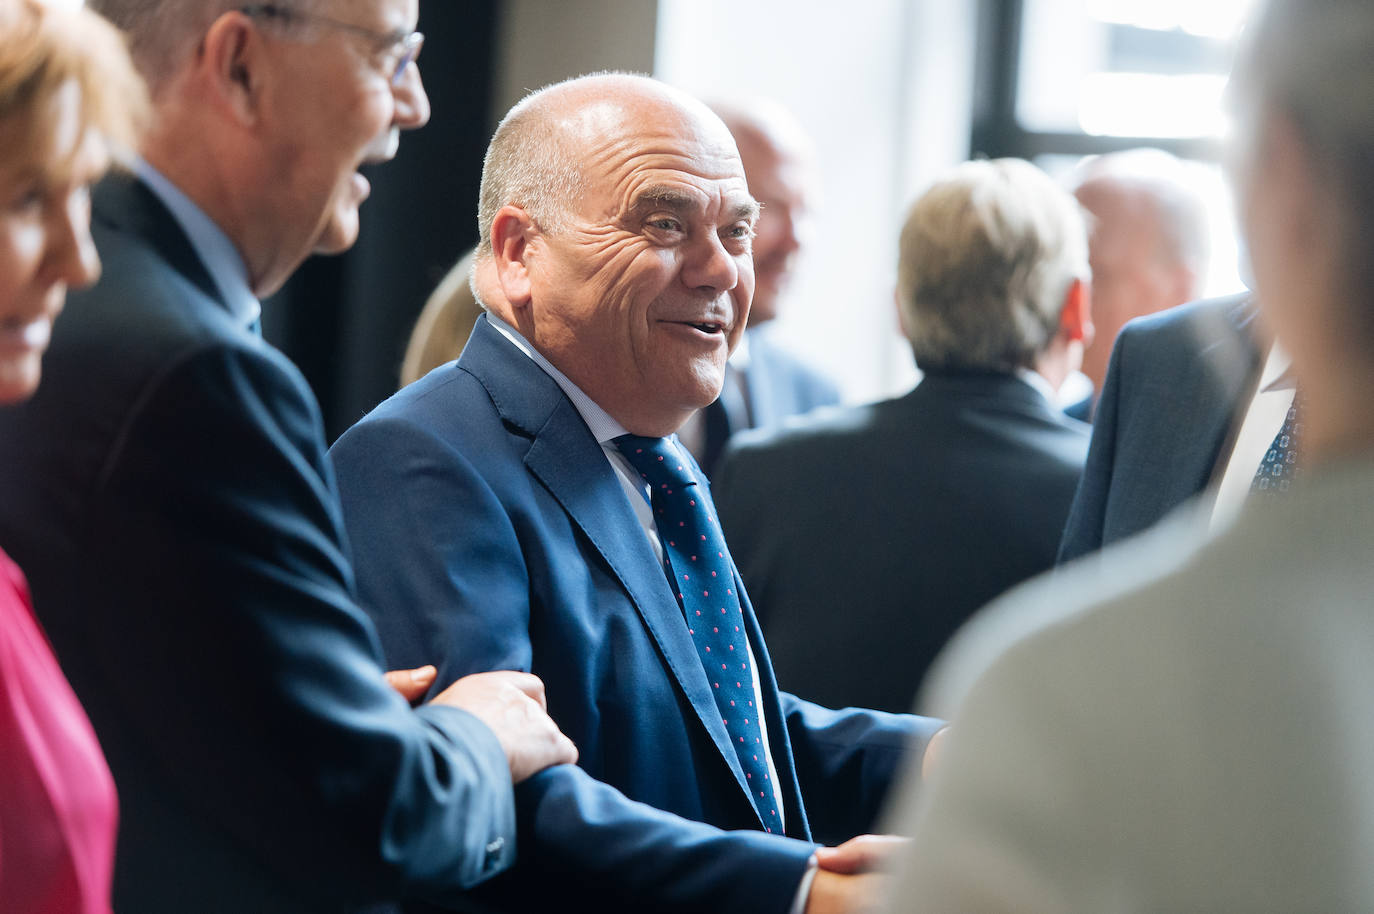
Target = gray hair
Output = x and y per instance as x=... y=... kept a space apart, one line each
x=1178 y=205
x=162 y=34
x=986 y=258
x=529 y=164
x=1314 y=60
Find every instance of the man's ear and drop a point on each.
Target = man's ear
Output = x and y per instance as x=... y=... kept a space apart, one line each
x=231 y=59
x=511 y=231
x=1076 y=317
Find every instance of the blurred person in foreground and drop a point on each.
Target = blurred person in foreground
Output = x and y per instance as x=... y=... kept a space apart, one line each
x=501 y=515
x=1206 y=692
x=69 y=100
x=168 y=493
x=908 y=515
x=1148 y=246
x=764 y=382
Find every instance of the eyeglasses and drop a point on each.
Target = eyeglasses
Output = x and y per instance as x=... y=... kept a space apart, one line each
x=406 y=47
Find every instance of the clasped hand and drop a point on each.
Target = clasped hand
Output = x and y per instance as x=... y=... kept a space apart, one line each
x=510 y=703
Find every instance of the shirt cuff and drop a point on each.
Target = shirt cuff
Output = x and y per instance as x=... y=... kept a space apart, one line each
x=804 y=888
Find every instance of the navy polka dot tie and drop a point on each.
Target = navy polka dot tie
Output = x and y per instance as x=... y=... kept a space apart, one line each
x=699 y=567
x=1280 y=466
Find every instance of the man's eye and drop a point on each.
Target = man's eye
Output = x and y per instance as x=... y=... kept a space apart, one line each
x=743 y=230
x=666 y=225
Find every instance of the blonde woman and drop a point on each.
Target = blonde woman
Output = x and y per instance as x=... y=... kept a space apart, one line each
x=68 y=95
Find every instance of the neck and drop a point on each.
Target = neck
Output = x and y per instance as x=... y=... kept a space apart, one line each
x=1056 y=363
x=1338 y=420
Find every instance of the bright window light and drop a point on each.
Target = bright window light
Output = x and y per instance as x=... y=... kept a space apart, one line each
x=1218 y=19
x=1151 y=104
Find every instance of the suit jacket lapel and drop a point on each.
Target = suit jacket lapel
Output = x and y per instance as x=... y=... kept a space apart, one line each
x=570 y=463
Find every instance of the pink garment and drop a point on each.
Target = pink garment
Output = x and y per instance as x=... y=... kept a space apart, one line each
x=57 y=799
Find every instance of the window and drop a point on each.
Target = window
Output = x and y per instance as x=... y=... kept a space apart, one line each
x=1062 y=79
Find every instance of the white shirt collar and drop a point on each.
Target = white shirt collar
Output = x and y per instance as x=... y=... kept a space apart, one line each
x=212 y=246
x=1037 y=382
x=1276 y=374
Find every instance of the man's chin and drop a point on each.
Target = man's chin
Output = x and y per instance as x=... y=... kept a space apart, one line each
x=339 y=233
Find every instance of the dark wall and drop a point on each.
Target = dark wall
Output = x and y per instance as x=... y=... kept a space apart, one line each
x=345 y=320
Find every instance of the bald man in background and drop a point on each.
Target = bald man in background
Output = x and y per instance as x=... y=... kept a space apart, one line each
x=1149 y=248
x=764 y=383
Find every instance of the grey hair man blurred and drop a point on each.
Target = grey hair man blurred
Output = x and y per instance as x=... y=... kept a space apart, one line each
x=1148 y=246
x=1209 y=688
x=912 y=513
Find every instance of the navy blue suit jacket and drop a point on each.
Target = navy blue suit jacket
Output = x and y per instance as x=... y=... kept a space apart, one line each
x=168 y=494
x=491 y=531
x=1168 y=404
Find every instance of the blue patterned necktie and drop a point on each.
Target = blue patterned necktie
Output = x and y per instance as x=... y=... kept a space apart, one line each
x=1280 y=466
x=698 y=566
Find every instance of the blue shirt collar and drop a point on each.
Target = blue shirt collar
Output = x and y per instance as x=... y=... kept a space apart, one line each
x=212 y=246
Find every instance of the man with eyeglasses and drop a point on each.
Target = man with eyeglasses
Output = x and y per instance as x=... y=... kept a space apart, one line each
x=170 y=496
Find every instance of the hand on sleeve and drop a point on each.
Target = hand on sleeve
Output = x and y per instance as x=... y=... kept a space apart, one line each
x=512 y=705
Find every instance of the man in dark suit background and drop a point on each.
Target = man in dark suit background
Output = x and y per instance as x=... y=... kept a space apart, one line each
x=498 y=522
x=1167 y=421
x=903 y=517
x=764 y=382
x=170 y=497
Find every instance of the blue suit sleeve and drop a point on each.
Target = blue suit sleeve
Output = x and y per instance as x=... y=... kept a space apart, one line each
x=848 y=760
x=250 y=670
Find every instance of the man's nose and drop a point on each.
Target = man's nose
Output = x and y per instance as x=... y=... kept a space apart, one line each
x=789 y=228
x=412 y=104
x=709 y=266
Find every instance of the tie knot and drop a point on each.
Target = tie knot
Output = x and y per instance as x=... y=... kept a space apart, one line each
x=656 y=459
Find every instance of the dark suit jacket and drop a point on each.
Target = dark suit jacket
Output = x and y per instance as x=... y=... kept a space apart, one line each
x=1166 y=414
x=169 y=496
x=492 y=531
x=778 y=385
x=867 y=536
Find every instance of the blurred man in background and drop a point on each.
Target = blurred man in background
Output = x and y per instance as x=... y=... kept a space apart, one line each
x=1148 y=246
x=905 y=516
